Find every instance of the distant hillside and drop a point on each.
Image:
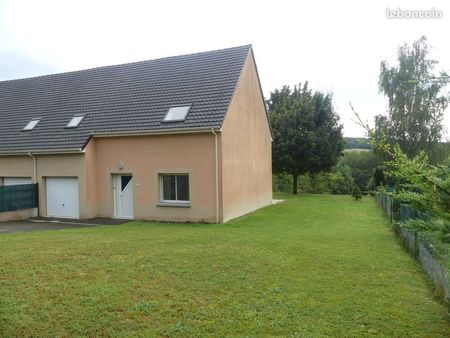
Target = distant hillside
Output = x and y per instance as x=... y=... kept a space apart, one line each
x=357 y=143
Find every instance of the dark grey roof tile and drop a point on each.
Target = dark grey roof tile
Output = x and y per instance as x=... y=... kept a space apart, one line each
x=123 y=98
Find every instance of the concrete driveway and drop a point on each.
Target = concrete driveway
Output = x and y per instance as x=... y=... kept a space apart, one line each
x=54 y=224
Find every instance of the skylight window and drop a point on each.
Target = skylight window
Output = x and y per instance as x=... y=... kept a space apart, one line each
x=177 y=113
x=75 y=122
x=31 y=124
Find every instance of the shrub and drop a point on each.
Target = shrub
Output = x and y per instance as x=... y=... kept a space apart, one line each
x=282 y=183
x=305 y=183
x=320 y=184
x=341 y=181
x=362 y=165
x=420 y=225
x=338 y=181
x=445 y=233
x=379 y=179
x=356 y=193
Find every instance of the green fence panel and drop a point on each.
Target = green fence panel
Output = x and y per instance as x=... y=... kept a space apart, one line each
x=18 y=197
x=407 y=212
x=416 y=243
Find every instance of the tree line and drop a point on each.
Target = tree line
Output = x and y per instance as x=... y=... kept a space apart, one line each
x=308 y=144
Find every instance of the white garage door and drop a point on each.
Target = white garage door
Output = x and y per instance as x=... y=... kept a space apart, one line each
x=17 y=180
x=62 y=197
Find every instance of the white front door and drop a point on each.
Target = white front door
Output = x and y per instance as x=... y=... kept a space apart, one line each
x=17 y=180
x=62 y=197
x=123 y=196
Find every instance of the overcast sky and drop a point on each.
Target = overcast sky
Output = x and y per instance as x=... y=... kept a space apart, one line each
x=336 y=45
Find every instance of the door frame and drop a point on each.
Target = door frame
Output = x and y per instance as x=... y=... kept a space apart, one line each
x=46 y=178
x=114 y=175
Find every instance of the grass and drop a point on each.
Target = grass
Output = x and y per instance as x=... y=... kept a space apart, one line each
x=315 y=265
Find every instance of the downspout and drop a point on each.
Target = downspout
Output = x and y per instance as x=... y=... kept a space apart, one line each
x=35 y=177
x=34 y=167
x=216 y=159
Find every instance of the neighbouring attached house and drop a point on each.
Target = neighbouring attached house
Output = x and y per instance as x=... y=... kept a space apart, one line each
x=183 y=138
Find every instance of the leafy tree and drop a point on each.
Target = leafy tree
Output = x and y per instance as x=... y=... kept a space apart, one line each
x=415 y=100
x=307 y=135
x=425 y=186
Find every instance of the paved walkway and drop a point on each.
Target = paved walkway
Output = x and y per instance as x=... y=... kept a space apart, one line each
x=40 y=224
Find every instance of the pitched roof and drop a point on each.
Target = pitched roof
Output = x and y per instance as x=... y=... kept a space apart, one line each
x=124 y=98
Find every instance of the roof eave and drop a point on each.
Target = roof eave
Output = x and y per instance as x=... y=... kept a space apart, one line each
x=156 y=132
x=41 y=152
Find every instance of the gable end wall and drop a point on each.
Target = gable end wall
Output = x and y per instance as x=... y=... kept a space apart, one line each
x=246 y=149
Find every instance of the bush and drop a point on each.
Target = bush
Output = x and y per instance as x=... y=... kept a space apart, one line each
x=282 y=183
x=420 y=225
x=320 y=183
x=362 y=165
x=338 y=181
x=445 y=233
x=435 y=231
x=305 y=184
x=356 y=193
x=341 y=181
x=378 y=177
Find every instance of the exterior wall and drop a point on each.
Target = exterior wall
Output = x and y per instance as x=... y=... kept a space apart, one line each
x=60 y=165
x=246 y=149
x=17 y=215
x=16 y=166
x=90 y=172
x=144 y=157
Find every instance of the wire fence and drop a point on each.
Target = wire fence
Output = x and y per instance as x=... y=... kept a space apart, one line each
x=435 y=270
x=415 y=243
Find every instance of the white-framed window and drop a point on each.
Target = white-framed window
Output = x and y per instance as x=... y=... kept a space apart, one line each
x=177 y=113
x=174 y=188
x=30 y=126
x=75 y=121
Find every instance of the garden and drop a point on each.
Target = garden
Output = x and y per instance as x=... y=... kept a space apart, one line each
x=329 y=267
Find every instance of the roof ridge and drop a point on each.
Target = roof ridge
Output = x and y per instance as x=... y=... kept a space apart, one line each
x=249 y=46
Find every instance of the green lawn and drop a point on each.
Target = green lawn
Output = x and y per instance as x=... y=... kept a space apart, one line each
x=315 y=265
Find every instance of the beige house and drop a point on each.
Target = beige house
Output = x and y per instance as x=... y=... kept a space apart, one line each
x=184 y=138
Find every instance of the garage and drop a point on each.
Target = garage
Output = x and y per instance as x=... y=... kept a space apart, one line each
x=17 y=180
x=62 y=197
